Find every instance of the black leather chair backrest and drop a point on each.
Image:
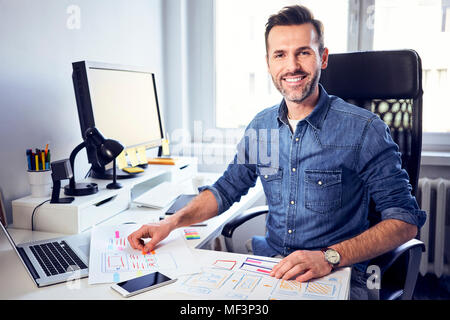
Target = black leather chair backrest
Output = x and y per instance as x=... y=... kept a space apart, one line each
x=389 y=83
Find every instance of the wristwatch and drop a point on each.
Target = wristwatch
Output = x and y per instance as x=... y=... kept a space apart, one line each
x=332 y=257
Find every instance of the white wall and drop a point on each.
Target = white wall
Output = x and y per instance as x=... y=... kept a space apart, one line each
x=37 y=103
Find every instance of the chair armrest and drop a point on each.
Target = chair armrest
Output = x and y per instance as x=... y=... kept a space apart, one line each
x=386 y=260
x=251 y=213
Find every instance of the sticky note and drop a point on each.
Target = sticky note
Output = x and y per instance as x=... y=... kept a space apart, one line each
x=122 y=160
x=133 y=170
x=142 y=155
x=132 y=156
x=165 y=147
x=116 y=277
x=117 y=235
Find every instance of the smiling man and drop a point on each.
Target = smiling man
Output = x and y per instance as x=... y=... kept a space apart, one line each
x=330 y=159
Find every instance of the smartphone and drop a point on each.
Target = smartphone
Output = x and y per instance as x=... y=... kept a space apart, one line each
x=141 y=284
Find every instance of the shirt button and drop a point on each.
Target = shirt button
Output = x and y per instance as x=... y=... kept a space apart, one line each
x=266 y=176
x=289 y=231
x=297 y=139
x=320 y=183
x=292 y=202
x=293 y=169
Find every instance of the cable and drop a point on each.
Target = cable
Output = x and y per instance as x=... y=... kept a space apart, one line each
x=34 y=210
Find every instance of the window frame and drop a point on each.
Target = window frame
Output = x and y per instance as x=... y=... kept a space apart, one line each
x=360 y=38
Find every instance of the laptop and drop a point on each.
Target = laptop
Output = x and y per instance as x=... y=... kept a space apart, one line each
x=55 y=260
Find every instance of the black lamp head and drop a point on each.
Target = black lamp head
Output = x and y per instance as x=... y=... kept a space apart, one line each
x=106 y=149
x=94 y=136
x=109 y=150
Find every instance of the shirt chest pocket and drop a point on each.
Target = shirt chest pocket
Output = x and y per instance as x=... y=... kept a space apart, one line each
x=271 y=179
x=323 y=190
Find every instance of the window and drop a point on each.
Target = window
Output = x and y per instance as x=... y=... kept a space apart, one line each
x=243 y=84
x=422 y=25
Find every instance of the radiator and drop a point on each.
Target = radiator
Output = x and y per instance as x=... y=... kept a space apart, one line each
x=434 y=198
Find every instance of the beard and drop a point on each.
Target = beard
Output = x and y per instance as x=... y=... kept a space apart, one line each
x=297 y=94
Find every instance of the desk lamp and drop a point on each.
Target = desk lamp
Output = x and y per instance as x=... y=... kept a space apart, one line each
x=106 y=150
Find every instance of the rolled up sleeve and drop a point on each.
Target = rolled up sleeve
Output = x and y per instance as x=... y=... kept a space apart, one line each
x=415 y=217
x=387 y=183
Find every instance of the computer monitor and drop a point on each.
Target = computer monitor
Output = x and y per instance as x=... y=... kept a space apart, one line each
x=121 y=102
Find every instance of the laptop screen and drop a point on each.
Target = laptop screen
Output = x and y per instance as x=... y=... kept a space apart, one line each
x=5 y=231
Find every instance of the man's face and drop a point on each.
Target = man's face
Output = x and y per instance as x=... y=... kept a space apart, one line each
x=294 y=61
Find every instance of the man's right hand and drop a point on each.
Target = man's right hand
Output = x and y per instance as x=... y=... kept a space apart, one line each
x=156 y=231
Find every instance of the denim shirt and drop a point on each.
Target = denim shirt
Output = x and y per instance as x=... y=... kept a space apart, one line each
x=318 y=180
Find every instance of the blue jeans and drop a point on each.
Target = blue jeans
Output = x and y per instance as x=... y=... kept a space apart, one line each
x=358 y=287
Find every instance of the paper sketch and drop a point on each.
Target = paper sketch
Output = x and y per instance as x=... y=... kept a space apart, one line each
x=112 y=259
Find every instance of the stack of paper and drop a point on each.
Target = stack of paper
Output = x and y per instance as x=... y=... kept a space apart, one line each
x=113 y=260
x=248 y=279
x=160 y=196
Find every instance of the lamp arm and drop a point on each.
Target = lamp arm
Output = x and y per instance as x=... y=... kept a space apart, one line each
x=72 y=162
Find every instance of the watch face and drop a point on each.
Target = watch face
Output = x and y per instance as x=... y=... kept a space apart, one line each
x=332 y=256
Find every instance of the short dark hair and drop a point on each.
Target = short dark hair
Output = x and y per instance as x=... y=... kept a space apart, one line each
x=295 y=15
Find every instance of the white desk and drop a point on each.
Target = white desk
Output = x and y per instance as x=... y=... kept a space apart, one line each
x=16 y=284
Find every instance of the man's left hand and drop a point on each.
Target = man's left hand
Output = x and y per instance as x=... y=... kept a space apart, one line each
x=304 y=264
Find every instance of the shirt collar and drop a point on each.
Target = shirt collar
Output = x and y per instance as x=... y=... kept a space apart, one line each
x=316 y=117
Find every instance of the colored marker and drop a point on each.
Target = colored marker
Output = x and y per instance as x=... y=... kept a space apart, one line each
x=48 y=157
x=29 y=152
x=46 y=149
x=36 y=162
x=32 y=161
x=43 y=160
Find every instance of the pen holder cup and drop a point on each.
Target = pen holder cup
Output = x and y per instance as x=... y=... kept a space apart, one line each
x=40 y=183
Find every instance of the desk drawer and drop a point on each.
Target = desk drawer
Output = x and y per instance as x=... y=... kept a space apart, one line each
x=103 y=210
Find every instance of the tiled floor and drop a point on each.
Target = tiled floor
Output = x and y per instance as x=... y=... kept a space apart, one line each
x=431 y=287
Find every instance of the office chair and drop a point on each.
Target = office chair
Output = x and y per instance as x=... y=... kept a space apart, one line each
x=388 y=83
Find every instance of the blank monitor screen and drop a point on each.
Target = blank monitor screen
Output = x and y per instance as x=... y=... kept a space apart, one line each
x=125 y=107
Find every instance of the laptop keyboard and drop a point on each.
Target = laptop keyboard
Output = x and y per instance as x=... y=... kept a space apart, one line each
x=57 y=258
